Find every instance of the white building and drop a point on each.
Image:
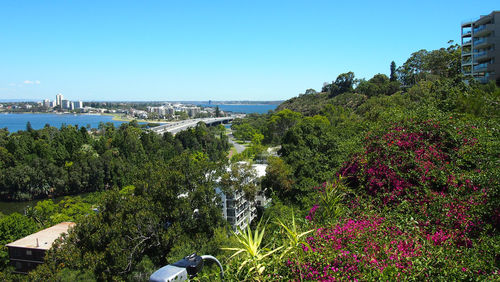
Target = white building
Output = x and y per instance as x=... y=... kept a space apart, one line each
x=193 y=111
x=66 y=104
x=59 y=99
x=79 y=105
x=238 y=211
x=46 y=103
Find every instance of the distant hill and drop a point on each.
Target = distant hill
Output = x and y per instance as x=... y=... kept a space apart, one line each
x=312 y=104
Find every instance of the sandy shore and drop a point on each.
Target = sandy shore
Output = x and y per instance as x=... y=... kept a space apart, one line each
x=118 y=117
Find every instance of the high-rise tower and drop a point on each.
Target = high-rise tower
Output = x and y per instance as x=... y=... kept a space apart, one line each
x=59 y=98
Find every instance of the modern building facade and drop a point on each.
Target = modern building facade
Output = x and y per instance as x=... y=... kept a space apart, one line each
x=481 y=48
x=27 y=253
x=59 y=99
x=78 y=105
x=237 y=210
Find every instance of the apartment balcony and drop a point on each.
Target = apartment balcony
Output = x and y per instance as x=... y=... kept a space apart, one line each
x=238 y=211
x=483 y=79
x=467 y=61
x=467 y=23
x=466 y=33
x=467 y=52
x=467 y=70
x=482 y=42
x=242 y=223
x=481 y=67
x=482 y=56
x=483 y=30
x=486 y=77
x=466 y=42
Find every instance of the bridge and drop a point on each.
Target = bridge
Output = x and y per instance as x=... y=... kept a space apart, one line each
x=175 y=127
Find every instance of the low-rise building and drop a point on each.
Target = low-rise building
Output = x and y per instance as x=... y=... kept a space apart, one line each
x=27 y=253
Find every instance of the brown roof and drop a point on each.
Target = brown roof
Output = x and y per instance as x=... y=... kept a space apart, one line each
x=45 y=237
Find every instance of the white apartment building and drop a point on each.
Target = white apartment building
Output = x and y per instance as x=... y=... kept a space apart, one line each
x=79 y=105
x=238 y=211
x=59 y=99
x=481 y=48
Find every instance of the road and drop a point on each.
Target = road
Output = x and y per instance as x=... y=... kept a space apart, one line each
x=175 y=127
x=239 y=148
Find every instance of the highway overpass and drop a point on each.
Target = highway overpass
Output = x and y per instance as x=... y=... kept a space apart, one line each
x=174 y=127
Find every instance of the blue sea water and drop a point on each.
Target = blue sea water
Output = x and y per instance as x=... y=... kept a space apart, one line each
x=15 y=122
x=245 y=109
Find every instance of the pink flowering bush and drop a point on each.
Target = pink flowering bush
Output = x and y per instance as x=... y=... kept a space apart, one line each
x=426 y=207
x=355 y=248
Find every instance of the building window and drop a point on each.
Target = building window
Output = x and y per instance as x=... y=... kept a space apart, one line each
x=29 y=253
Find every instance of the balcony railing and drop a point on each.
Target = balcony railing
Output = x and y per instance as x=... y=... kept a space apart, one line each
x=483 y=79
x=481 y=67
x=482 y=42
x=481 y=56
x=468 y=41
x=479 y=41
x=479 y=28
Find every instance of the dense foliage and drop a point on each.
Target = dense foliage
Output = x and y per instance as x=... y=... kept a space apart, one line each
x=158 y=199
x=417 y=154
x=69 y=160
x=426 y=206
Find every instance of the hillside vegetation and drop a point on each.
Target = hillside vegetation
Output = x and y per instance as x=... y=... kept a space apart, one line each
x=391 y=178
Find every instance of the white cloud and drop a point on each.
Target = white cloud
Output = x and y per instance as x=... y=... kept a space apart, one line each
x=31 y=82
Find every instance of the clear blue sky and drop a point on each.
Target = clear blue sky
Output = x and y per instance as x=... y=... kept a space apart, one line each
x=219 y=50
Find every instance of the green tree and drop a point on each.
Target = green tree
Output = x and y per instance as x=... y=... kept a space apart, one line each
x=393 y=76
x=344 y=83
x=278 y=179
x=13 y=227
x=279 y=123
x=311 y=149
x=240 y=177
x=310 y=91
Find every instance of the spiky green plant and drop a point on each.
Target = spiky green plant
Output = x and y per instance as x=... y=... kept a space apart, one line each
x=330 y=200
x=250 y=247
x=295 y=239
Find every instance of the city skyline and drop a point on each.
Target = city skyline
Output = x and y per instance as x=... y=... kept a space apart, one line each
x=117 y=51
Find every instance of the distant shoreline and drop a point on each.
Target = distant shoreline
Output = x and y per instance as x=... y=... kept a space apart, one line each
x=118 y=117
x=221 y=104
x=115 y=117
x=277 y=102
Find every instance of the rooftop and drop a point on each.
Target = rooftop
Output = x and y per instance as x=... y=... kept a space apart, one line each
x=45 y=237
x=260 y=169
